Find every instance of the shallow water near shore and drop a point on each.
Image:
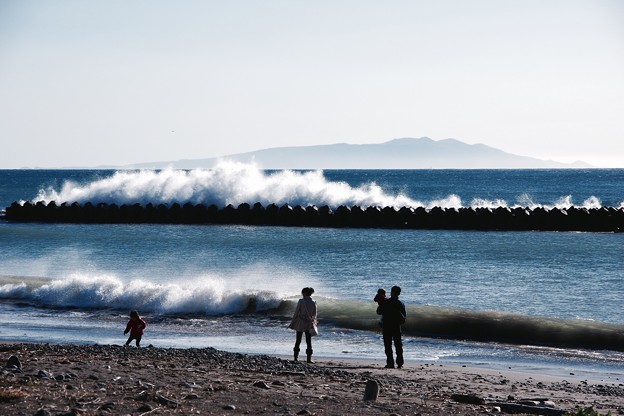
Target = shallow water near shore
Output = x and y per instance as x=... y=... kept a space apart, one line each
x=252 y=334
x=234 y=287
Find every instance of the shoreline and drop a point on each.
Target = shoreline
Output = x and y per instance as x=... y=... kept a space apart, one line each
x=110 y=379
x=538 y=362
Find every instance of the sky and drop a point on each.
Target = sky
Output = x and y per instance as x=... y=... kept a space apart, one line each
x=90 y=83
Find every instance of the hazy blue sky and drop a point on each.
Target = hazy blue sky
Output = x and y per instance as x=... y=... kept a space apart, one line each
x=85 y=83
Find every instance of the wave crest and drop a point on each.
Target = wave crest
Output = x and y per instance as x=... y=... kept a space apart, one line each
x=209 y=296
x=228 y=183
x=236 y=183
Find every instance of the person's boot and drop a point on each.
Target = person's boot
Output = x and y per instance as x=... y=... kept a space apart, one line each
x=296 y=353
x=309 y=354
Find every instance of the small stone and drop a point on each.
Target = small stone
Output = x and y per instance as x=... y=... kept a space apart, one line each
x=44 y=374
x=467 y=399
x=548 y=403
x=191 y=396
x=143 y=396
x=107 y=407
x=15 y=362
x=145 y=408
x=166 y=401
x=144 y=384
x=261 y=385
x=229 y=407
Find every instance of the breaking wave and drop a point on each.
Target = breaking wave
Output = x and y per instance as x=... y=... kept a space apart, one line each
x=208 y=296
x=236 y=183
x=228 y=183
x=212 y=296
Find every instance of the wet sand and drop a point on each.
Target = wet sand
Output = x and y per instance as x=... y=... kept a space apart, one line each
x=113 y=380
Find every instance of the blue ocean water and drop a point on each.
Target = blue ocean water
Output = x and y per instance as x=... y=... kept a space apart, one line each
x=522 y=299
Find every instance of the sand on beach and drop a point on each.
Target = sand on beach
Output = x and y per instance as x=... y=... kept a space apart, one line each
x=67 y=379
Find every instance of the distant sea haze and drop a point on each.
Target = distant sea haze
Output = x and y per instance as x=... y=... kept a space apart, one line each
x=405 y=153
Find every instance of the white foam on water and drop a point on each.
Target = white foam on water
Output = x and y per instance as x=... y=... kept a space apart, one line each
x=592 y=202
x=228 y=183
x=208 y=295
x=487 y=203
x=235 y=183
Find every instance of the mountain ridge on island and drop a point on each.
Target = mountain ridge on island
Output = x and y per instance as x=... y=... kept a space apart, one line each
x=402 y=153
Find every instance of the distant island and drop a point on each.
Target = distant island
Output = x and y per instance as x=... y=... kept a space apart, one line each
x=405 y=153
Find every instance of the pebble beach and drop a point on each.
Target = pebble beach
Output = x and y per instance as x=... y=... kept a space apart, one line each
x=64 y=379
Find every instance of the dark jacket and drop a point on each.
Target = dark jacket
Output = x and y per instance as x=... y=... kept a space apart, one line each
x=393 y=312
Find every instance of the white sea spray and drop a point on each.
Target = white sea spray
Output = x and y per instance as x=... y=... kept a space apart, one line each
x=208 y=295
x=228 y=183
x=234 y=183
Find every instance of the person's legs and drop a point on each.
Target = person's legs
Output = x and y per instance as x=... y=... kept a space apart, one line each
x=130 y=338
x=398 y=346
x=309 y=346
x=387 y=338
x=297 y=344
x=138 y=341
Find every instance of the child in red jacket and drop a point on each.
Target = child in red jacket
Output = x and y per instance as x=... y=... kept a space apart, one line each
x=135 y=326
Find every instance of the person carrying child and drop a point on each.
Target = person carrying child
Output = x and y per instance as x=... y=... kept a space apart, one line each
x=393 y=314
x=136 y=326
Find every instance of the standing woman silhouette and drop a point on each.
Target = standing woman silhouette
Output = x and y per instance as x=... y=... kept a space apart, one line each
x=303 y=319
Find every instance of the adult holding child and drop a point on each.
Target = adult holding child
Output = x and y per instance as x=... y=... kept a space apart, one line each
x=304 y=322
x=393 y=316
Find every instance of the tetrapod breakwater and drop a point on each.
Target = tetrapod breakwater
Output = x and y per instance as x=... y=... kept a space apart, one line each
x=604 y=219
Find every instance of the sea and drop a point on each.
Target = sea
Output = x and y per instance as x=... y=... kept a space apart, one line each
x=532 y=301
